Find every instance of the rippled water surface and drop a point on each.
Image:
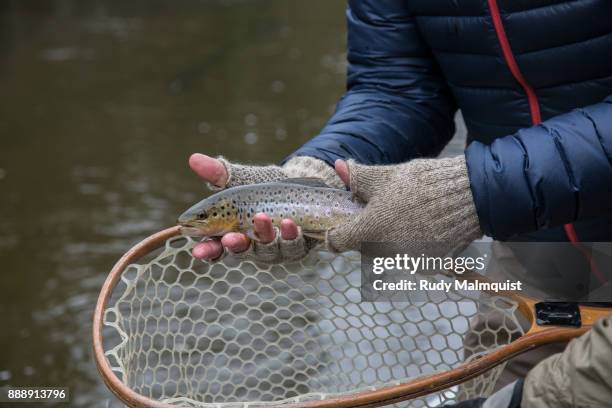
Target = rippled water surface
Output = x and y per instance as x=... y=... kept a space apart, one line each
x=103 y=101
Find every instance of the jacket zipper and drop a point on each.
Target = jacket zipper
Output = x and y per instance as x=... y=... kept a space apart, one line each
x=534 y=106
x=534 y=111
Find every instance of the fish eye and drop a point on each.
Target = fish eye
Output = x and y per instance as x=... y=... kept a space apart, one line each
x=202 y=215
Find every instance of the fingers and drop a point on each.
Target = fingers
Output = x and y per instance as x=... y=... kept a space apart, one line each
x=208 y=168
x=211 y=249
x=236 y=242
x=343 y=171
x=288 y=229
x=263 y=228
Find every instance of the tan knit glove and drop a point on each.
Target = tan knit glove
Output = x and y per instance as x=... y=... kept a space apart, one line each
x=279 y=250
x=415 y=203
x=297 y=167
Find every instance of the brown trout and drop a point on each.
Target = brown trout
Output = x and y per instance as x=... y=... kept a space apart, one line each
x=311 y=204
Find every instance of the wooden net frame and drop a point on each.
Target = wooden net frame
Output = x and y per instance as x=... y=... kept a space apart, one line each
x=131 y=299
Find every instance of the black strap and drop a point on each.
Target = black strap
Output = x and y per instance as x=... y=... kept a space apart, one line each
x=517 y=394
x=473 y=403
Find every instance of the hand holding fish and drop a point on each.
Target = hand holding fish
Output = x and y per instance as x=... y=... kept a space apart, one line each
x=417 y=203
x=272 y=243
x=214 y=172
x=270 y=215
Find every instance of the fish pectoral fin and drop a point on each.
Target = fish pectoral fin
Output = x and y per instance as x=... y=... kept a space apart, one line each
x=318 y=235
x=252 y=235
x=356 y=199
x=306 y=181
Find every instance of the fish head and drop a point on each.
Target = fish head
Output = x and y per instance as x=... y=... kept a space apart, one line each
x=208 y=218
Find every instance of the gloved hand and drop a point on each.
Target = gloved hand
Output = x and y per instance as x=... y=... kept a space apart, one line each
x=415 y=203
x=274 y=245
x=235 y=174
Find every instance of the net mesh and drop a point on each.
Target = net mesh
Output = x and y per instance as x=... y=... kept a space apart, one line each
x=236 y=334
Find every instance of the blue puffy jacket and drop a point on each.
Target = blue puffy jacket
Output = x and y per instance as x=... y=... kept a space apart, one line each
x=533 y=79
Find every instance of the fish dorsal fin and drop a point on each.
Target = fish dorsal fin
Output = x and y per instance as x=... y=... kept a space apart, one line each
x=306 y=181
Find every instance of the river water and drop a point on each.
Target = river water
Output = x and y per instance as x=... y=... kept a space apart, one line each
x=103 y=103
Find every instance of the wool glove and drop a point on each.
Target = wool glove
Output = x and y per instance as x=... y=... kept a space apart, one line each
x=297 y=167
x=279 y=250
x=425 y=204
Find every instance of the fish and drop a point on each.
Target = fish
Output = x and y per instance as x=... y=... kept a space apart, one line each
x=310 y=203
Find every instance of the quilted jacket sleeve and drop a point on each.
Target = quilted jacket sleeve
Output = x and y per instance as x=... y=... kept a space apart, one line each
x=397 y=105
x=580 y=376
x=554 y=173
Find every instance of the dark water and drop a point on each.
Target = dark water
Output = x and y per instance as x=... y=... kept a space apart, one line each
x=103 y=101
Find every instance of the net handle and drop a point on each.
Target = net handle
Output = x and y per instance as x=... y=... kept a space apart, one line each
x=387 y=395
x=527 y=305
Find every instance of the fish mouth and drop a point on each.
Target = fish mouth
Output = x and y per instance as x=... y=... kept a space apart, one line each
x=191 y=231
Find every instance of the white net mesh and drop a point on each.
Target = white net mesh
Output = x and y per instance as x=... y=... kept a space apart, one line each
x=191 y=333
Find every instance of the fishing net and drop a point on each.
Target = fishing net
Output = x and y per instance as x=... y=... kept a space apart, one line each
x=235 y=334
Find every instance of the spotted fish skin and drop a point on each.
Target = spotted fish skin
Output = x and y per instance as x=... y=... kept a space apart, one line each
x=314 y=208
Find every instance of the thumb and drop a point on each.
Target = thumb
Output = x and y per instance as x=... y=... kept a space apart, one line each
x=343 y=171
x=210 y=169
x=364 y=181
